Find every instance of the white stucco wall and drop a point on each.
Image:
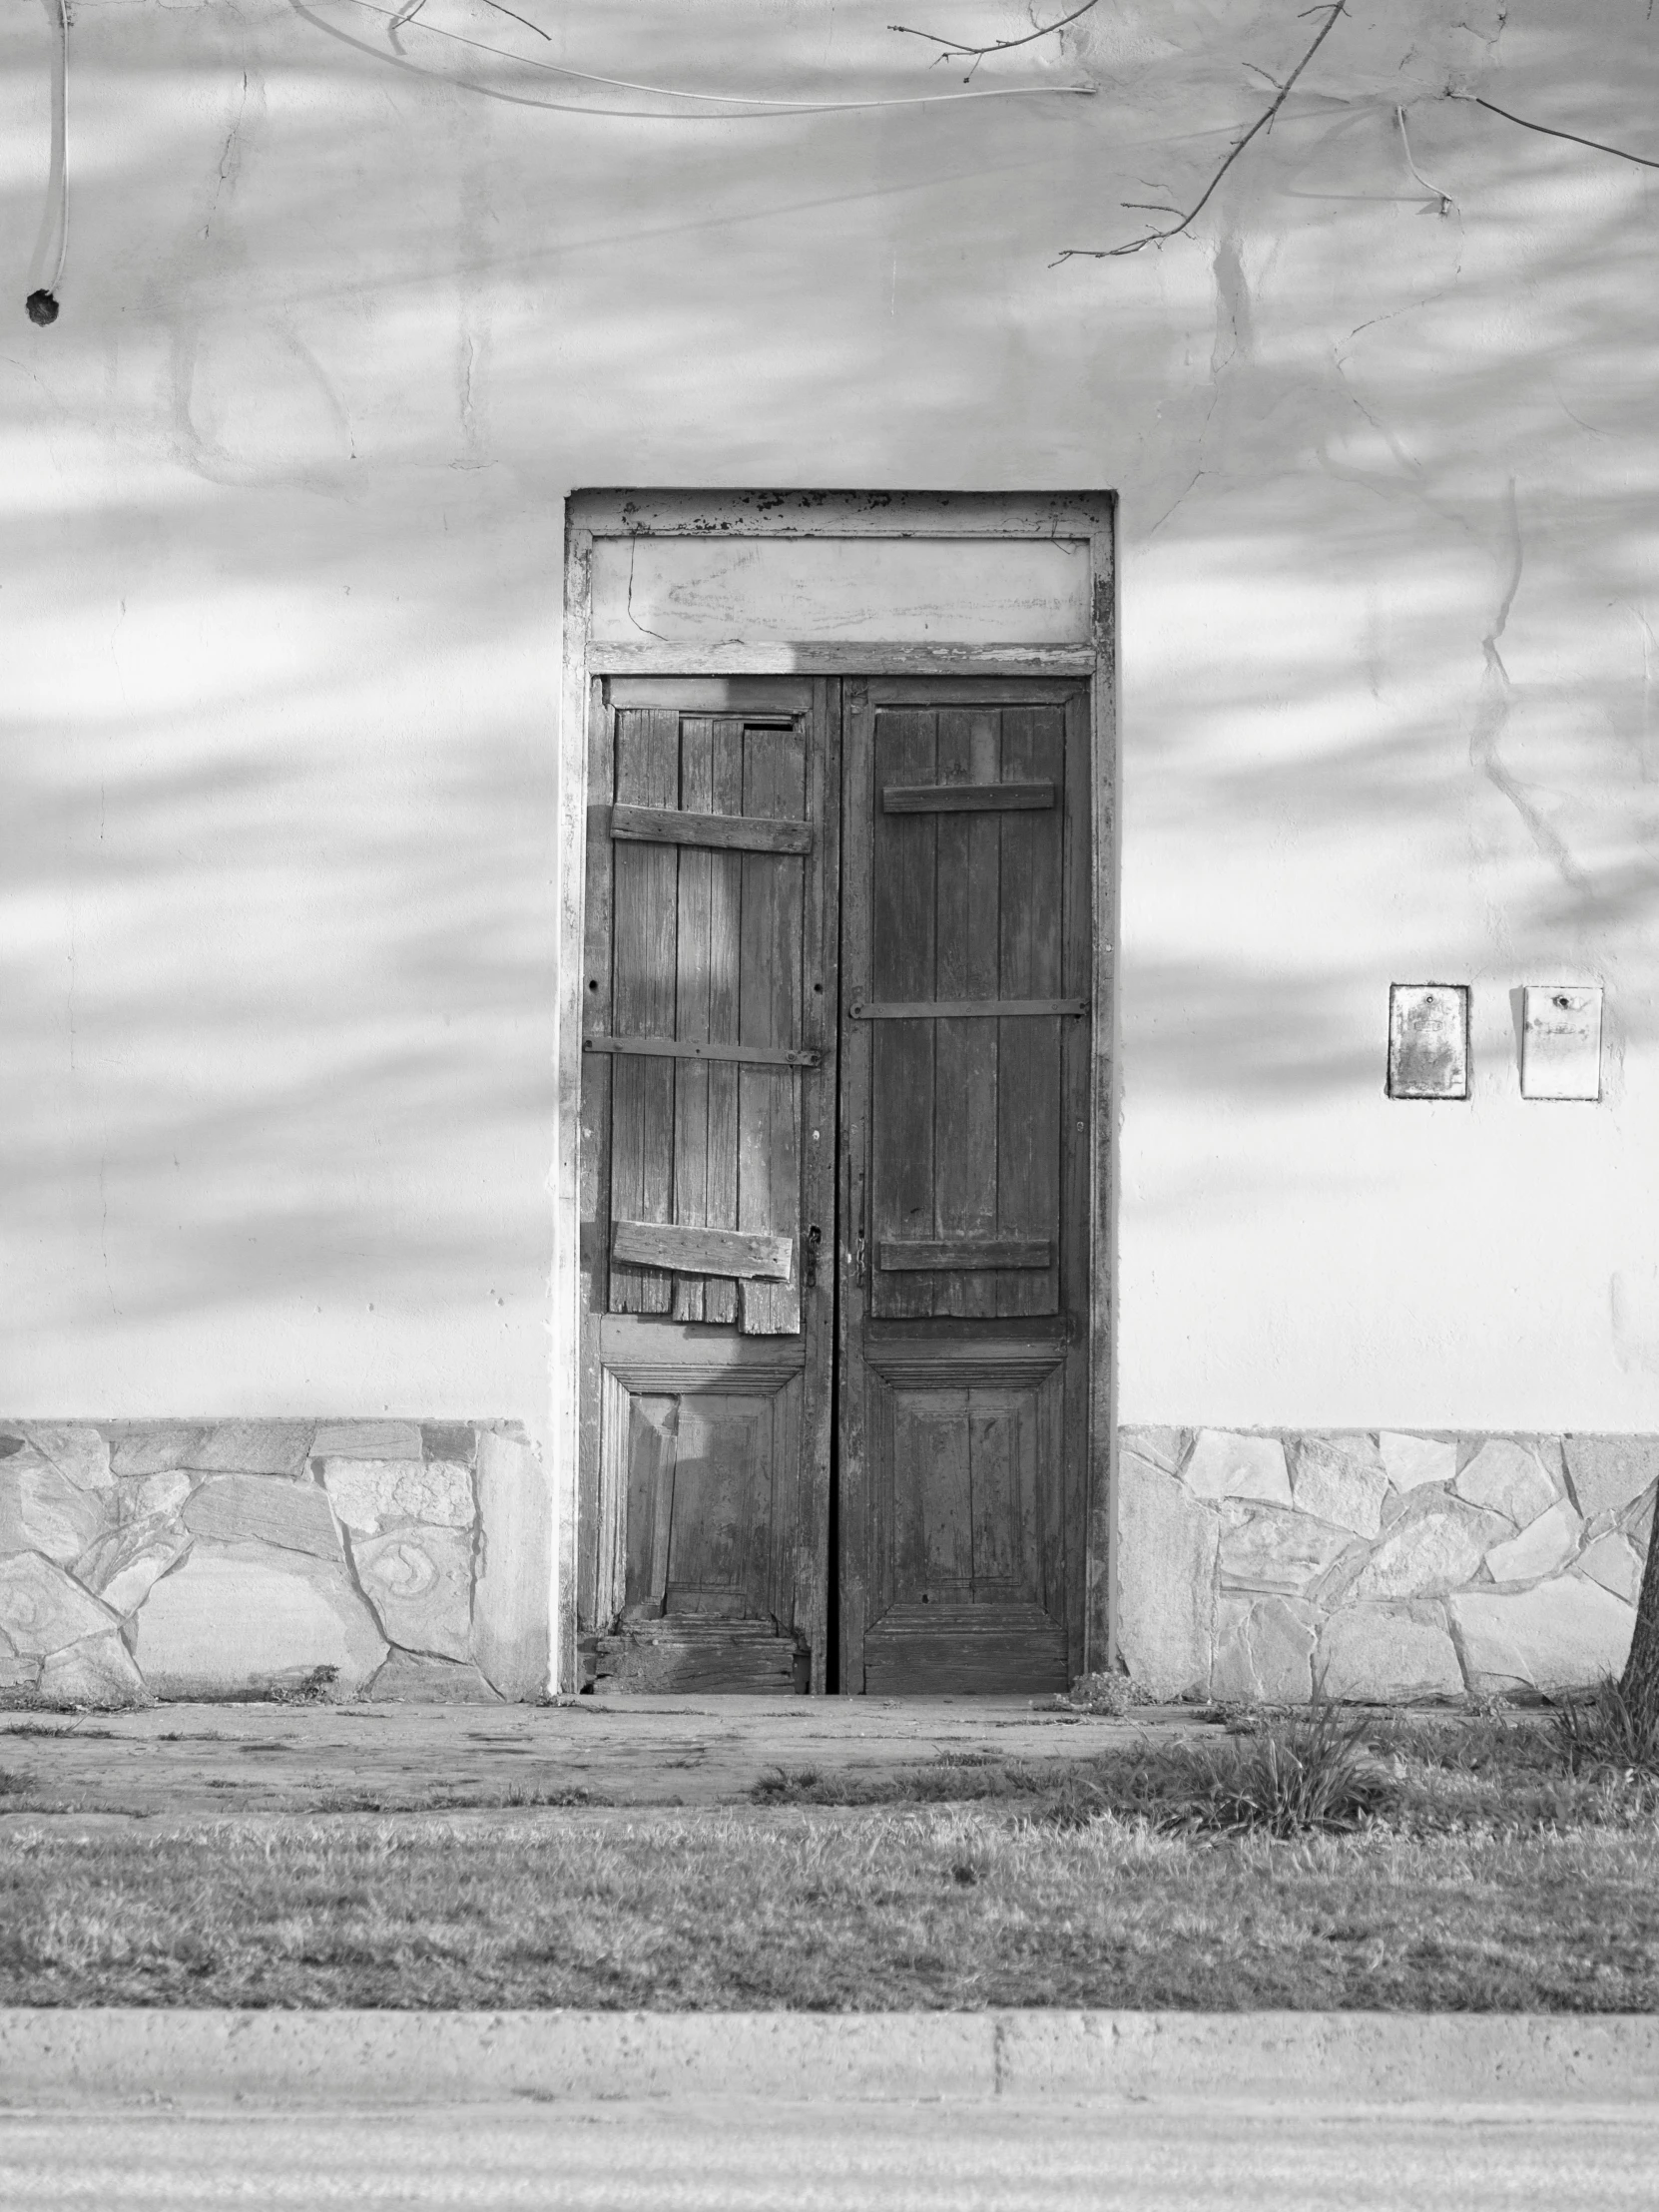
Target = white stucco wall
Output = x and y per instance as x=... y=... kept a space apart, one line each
x=280 y=609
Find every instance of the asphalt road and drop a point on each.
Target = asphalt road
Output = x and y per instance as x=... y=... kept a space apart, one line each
x=744 y=2157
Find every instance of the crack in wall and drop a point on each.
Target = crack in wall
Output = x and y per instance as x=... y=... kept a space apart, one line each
x=1647 y=749
x=1491 y=714
x=1232 y=340
x=230 y=159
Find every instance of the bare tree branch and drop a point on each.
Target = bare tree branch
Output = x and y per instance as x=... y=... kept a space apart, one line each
x=1547 y=131
x=1174 y=229
x=524 y=19
x=411 y=8
x=949 y=50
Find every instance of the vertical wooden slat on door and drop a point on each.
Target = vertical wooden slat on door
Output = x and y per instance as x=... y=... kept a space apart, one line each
x=1082 y=1288
x=651 y=1436
x=642 y=1001
x=1028 y=1141
x=904 y=920
x=598 y=1575
x=706 y=1092
x=768 y=1114
x=863 y=1565
x=725 y=925
x=804 y=1436
x=693 y=961
x=966 y=1052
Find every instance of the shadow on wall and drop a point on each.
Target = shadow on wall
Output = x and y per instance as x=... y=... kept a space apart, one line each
x=339 y=330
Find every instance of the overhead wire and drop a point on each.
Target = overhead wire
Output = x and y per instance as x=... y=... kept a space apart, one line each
x=1548 y=130
x=42 y=304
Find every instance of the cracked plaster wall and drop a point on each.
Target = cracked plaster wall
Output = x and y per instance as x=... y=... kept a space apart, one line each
x=279 y=593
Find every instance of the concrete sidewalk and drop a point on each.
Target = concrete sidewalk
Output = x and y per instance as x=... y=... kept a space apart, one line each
x=51 y=2057
x=188 y=1763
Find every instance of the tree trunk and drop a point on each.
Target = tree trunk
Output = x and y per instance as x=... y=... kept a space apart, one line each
x=1640 y=1684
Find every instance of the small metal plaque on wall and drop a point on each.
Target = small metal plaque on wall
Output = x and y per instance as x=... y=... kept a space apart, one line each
x=1561 y=1041
x=1428 y=1040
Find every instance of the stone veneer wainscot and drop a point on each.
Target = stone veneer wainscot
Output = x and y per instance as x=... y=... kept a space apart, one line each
x=261 y=1558
x=1384 y=1565
x=399 y=1559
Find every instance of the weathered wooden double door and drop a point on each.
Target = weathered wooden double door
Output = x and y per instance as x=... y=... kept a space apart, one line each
x=835 y=1207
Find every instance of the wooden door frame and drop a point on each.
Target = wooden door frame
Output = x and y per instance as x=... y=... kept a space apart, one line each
x=591 y=515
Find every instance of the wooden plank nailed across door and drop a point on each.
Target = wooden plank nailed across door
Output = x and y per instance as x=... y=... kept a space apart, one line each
x=684 y=1048
x=720 y=832
x=954 y=1254
x=960 y=798
x=964 y=1009
x=688 y=1251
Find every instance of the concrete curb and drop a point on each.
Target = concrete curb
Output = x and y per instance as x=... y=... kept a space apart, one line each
x=59 y=2056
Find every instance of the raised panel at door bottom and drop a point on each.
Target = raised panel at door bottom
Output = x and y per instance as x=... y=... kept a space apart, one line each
x=966 y=1477
x=707 y=1477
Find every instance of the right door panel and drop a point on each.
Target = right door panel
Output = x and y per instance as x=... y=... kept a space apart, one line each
x=964 y=1295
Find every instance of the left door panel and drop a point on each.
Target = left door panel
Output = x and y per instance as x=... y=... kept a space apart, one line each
x=708 y=1179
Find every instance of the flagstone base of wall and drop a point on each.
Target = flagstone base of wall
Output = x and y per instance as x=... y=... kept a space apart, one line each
x=1384 y=1566
x=399 y=1559
x=271 y=1559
